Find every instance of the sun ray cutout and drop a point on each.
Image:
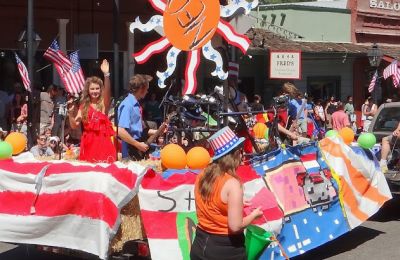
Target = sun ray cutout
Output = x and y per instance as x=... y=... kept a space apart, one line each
x=189 y=25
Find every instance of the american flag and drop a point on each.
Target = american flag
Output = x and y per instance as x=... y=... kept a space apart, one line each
x=233 y=69
x=373 y=82
x=24 y=73
x=55 y=55
x=396 y=78
x=74 y=79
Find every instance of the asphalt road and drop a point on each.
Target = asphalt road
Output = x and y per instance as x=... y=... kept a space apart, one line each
x=378 y=238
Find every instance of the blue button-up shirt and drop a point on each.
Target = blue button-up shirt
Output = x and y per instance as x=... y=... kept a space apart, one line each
x=130 y=118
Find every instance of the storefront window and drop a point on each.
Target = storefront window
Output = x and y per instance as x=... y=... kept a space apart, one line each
x=323 y=87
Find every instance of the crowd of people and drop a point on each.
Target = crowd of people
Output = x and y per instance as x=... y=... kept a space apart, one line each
x=86 y=126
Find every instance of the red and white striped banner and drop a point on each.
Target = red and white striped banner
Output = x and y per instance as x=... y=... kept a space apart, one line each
x=71 y=205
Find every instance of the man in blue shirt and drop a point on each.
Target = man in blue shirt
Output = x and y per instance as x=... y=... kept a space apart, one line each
x=130 y=121
x=298 y=112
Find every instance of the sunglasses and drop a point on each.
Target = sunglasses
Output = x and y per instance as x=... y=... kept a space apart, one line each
x=42 y=138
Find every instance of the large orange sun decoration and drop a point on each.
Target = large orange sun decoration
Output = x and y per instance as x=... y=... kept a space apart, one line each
x=189 y=26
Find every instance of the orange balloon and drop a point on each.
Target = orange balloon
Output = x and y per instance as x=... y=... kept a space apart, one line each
x=347 y=134
x=189 y=25
x=198 y=158
x=18 y=142
x=259 y=130
x=173 y=157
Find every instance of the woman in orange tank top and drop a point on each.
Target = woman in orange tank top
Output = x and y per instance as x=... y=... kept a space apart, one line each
x=219 y=203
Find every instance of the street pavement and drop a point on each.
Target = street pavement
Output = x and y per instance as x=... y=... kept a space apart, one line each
x=378 y=238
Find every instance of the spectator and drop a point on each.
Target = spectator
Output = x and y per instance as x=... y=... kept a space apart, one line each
x=54 y=144
x=243 y=106
x=369 y=110
x=47 y=133
x=3 y=134
x=349 y=110
x=298 y=113
x=47 y=107
x=363 y=116
x=20 y=124
x=17 y=106
x=319 y=113
x=339 y=118
x=257 y=105
x=330 y=108
x=41 y=148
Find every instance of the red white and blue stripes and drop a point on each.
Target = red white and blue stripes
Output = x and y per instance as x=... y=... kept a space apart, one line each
x=223 y=142
x=24 y=73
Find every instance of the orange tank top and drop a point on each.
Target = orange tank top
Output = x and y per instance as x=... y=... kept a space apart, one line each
x=213 y=214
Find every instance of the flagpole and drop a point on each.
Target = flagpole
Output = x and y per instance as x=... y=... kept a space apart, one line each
x=115 y=70
x=30 y=63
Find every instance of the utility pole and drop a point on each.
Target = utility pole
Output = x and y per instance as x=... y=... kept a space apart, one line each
x=30 y=63
x=115 y=70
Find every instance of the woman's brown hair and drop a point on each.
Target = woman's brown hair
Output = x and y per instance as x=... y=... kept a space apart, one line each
x=226 y=164
x=85 y=100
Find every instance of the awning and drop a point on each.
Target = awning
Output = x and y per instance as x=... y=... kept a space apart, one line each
x=262 y=39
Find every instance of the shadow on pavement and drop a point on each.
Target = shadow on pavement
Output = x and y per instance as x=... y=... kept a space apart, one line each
x=29 y=252
x=342 y=244
x=389 y=212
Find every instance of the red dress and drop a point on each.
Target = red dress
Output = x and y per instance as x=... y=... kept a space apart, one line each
x=96 y=144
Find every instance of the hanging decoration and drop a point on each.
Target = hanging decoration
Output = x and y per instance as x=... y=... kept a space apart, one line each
x=189 y=26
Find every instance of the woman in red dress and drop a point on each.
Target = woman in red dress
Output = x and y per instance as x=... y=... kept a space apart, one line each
x=96 y=145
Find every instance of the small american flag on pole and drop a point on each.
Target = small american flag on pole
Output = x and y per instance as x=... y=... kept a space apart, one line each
x=55 y=55
x=74 y=79
x=392 y=71
x=373 y=82
x=24 y=73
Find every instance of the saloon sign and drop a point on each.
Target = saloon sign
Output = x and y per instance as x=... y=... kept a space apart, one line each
x=285 y=65
x=387 y=5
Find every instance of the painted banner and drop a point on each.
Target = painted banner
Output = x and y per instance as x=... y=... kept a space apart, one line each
x=285 y=65
x=310 y=202
x=64 y=204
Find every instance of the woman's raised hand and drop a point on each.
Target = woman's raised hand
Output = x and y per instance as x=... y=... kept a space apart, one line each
x=105 y=67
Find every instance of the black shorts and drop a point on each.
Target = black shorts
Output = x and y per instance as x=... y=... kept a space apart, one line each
x=219 y=247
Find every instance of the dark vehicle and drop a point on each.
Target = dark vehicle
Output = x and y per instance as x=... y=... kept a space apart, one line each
x=383 y=124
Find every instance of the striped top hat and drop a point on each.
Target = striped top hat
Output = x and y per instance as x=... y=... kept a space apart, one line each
x=224 y=141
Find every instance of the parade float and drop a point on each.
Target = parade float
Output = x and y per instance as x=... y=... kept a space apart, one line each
x=310 y=194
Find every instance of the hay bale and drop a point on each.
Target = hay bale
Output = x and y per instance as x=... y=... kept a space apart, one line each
x=131 y=227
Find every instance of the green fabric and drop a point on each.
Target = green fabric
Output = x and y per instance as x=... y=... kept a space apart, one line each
x=211 y=121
